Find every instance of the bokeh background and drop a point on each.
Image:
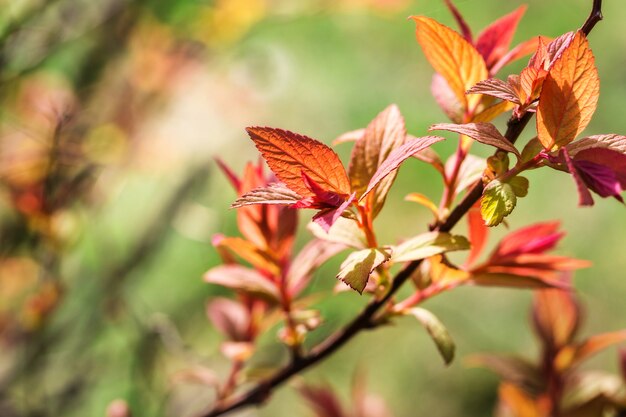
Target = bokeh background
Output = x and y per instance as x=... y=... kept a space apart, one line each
x=111 y=113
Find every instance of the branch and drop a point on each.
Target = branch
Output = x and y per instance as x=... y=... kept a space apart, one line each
x=594 y=17
x=365 y=320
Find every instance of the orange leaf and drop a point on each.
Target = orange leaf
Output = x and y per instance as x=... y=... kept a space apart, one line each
x=478 y=234
x=289 y=154
x=451 y=56
x=569 y=95
x=590 y=347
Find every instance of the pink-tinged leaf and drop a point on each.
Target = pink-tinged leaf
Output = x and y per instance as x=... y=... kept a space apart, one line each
x=613 y=142
x=384 y=134
x=366 y=404
x=245 y=280
x=314 y=254
x=327 y=217
x=229 y=317
x=437 y=331
x=608 y=158
x=495 y=40
x=447 y=99
x=323 y=401
x=485 y=133
x=496 y=88
x=237 y=351
x=289 y=155
x=358 y=266
x=569 y=95
x=556 y=317
x=593 y=345
x=429 y=156
x=556 y=48
x=584 y=196
x=465 y=29
x=478 y=234
x=471 y=171
x=600 y=178
x=230 y=174
x=275 y=193
x=519 y=51
x=537 y=238
x=351 y=136
x=397 y=157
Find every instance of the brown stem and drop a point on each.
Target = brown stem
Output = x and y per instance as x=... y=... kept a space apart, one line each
x=365 y=320
x=594 y=17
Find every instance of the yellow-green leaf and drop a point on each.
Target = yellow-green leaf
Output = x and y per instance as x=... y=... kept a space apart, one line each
x=498 y=201
x=358 y=266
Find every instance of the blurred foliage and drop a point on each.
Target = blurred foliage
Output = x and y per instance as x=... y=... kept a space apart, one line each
x=111 y=112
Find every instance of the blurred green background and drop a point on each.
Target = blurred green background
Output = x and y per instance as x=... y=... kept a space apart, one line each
x=164 y=86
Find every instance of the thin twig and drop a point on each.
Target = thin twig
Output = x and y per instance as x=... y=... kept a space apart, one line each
x=594 y=17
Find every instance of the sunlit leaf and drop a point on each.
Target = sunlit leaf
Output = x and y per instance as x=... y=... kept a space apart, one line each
x=275 y=193
x=481 y=132
x=498 y=201
x=496 y=88
x=427 y=245
x=384 y=134
x=397 y=157
x=437 y=331
x=289 y=155
x=344 y=231
x=613 y=142
x=358 y=266
x=569 y=95
x=465 y=29
x=453 y=57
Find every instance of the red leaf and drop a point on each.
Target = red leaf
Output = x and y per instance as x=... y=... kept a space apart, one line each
x=584 y=196
x=323 y=401
x=289 y=154
x=481 y=132
x=478 y=233
x=327 y=217
x=519 y=51
x=495 y=40
x=465 y=29
x=232 y=177
x=396 y=158
x=537 y=238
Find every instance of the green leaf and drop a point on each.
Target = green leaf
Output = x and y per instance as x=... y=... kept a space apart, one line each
x=519 y=186
x=358 y=266
x=437 y=331
x=498 y=201
x=427 y=245
x=532 y=149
